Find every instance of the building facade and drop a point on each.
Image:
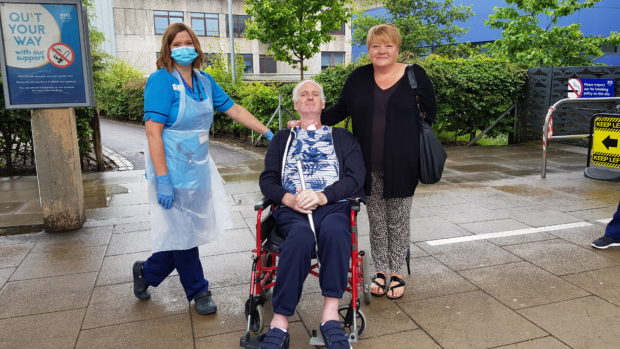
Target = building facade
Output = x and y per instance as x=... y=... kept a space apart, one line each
x=134 y=28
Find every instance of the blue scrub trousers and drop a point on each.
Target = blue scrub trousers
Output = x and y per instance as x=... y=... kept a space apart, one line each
x=334 y=248
x=186 y=262
x=613 y=228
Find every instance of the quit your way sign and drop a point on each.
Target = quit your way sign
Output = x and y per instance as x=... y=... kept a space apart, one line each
x=43 y=55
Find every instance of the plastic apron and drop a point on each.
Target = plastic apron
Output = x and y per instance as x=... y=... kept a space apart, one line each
x=199 y=212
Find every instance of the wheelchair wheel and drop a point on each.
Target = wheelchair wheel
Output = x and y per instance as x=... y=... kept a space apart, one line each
x=257 y=319
x=360 y=319
x=367 y=278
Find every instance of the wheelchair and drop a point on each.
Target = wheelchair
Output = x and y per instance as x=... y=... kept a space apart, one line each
x=264 y=273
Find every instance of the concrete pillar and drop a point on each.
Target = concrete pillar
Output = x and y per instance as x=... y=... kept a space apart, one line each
x=57 y=157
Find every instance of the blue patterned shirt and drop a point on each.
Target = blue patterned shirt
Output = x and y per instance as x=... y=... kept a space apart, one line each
x=319 y=161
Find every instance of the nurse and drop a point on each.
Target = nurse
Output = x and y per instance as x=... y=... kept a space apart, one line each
x=185 y=190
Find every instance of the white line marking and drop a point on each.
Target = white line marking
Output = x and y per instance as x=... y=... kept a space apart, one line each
x=507 y=233
x=604 y=221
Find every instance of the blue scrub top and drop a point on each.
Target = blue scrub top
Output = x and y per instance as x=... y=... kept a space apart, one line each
x=161 y=101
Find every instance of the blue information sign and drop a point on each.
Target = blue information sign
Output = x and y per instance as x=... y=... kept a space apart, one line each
x=45 y=59
x=598 y=88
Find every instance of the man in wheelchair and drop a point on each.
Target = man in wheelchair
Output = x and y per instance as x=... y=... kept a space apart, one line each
x=333 y=170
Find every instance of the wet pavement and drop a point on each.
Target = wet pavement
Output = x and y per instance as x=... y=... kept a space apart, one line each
x=500 y=259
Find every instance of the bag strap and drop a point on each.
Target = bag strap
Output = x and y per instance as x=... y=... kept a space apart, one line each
x=413 y=82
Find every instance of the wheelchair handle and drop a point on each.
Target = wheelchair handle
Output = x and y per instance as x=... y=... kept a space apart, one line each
x=262 y=204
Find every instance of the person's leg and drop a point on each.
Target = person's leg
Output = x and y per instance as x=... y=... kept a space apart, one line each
x=611 y=237
x=398 y=215
x=293 y=264
x=376 y=208
x=613 y=227
x=157 y=267
x=334 y=254
x=187 y=263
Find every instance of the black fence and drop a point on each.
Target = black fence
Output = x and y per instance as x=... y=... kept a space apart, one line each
x=545 y=86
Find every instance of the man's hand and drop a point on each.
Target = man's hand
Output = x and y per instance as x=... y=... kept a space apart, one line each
x=305 y=201
x=310 y=199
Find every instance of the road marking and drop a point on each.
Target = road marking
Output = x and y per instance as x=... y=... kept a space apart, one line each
x=507 y=233
x=604 y=221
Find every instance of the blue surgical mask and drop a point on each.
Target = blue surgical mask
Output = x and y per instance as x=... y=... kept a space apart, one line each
x=184 y=55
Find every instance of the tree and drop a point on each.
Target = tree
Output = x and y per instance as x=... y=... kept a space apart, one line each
x=530 y=34
x=295 y=29
x=422 y=23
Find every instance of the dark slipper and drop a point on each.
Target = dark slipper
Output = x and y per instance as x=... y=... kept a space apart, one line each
x=381 y=287
x=401 y=283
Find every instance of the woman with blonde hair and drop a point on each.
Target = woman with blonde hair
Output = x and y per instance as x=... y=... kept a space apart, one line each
x=385 y=120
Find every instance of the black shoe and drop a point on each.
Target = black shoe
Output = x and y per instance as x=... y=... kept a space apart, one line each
x=605 y=242
x=204 y=303
x=334 y=336
x=275 y=339
x=139 y=284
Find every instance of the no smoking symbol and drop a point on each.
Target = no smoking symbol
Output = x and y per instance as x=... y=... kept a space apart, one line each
x=60 y=55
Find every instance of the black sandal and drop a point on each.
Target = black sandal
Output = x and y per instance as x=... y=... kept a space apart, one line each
x=401 y=283
x=381 y=287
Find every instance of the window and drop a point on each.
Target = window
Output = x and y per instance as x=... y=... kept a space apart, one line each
x=164 y=18
x=238 y=25
x=205 y=24
x=267 y=64
x=208 y=58
x=248 y=60
x=339 y=31
x=330 y=59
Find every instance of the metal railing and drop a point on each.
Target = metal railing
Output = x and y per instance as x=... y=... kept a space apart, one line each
x=548 y=126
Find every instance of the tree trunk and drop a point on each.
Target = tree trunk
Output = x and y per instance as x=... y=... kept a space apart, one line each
x=301 y=68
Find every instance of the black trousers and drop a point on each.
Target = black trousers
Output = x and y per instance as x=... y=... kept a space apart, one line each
x=334 y=249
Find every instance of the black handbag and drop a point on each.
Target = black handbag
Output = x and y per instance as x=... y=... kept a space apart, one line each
x=432 y=155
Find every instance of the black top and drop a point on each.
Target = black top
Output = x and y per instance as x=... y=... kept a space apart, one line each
x=378 y=123
x=350 y=162
x=402 y=126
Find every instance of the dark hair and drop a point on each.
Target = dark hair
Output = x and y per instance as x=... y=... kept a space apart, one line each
x=165 y=56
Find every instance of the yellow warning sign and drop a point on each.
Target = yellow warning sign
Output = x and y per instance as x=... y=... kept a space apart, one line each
x=606 y=141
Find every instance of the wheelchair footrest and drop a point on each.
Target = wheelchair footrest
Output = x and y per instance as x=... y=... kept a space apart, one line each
x=316 y=340
x=249 y=342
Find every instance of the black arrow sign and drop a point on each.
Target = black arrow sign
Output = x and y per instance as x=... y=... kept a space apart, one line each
x=610 y=142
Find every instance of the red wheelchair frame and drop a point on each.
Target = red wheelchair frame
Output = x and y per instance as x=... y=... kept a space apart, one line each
x=264 y=270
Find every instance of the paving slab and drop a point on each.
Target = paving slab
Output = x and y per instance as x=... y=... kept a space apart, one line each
x=29 y=297
x=56 y=330
x=470 y=320
x=522 y=285
x=539 y=343
x=167 y=332
x=469 y=255
x=604 y=283
x=60 y=262
x=583 y=323
x=560 y=257
x=402 y=340
x=116 y=304
x=430 y=278
x=5 y=274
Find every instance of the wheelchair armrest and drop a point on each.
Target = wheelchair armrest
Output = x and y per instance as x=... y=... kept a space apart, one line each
x=355 y=203
x=262 y=204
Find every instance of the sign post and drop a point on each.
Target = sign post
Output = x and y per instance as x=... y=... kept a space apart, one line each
x=45 y=66
x=605 y=148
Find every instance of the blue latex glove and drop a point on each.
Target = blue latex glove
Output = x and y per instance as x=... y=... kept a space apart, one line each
x=165 y=192
x=268 y=135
